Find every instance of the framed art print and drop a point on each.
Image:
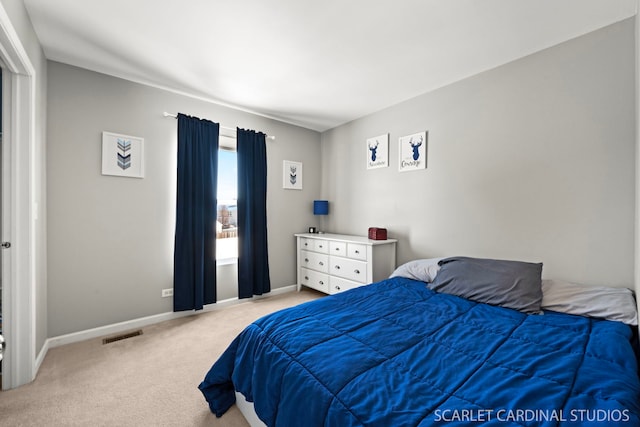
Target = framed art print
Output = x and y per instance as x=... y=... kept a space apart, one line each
x=413 y=152
x=292 y=175
x=378 y=152
x=122 y=155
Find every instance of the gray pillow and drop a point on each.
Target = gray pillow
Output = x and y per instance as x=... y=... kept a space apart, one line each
x=511 y=284
x=424 y=270
x=601 y=302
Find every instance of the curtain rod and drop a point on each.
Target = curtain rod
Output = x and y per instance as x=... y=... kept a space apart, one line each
x=175 y=116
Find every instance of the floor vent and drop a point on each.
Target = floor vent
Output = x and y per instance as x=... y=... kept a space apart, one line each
x=122 y=337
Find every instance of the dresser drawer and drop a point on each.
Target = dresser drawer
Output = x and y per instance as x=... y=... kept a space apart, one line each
x=337 y=285
x=306 y=244
x=314 y=279
x=338 y=248
x=314 y=261
x=321 y=246
x=348 y=269
x=357 y=251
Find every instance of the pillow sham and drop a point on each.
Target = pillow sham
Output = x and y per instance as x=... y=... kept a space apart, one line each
x=600 y=302
x=510 y=284
x=424 y=270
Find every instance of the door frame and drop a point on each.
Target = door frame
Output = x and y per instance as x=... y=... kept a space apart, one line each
x=19 y=208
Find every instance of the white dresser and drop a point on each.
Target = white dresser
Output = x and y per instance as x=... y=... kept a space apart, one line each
x=333 y=263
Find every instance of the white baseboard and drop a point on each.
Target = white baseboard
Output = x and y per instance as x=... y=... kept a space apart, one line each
x=274 y=292
x=41 y=355
x=144 y=321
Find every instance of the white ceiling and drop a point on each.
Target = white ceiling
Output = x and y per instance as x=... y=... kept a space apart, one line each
x=317 y=64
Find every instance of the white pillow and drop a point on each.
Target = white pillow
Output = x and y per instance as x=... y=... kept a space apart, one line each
x=424 y=270
x=600 y=302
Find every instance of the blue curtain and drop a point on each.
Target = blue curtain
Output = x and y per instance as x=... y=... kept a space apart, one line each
x=253 y=259
x=194 y=277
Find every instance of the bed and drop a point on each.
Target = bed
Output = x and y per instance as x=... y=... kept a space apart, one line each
x=413 y=351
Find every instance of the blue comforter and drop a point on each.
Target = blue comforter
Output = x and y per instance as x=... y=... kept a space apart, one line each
x=395 y=353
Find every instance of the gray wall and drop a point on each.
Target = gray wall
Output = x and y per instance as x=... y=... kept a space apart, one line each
x=111 y=238
x=533 y=160
x=22 y=24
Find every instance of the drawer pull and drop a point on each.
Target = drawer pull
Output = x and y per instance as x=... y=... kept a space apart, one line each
x=357 y=251
x=356 y=271
x=306 y=244
x=337 y=288
x=321 y=282
x=320 y=246
x=306 y=277
x=337 y=267
x=321 y=263
x=306 y=260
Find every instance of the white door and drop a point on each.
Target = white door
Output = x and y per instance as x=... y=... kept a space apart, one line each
x=19 y=83
x=4 y=206
x=5 y=159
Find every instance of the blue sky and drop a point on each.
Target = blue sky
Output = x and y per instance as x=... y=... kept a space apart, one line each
x=227 y=175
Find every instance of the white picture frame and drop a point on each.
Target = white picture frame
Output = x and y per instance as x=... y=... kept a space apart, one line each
x=412 y=152
x=378 y=151
x=122 y=155
x=291 y=175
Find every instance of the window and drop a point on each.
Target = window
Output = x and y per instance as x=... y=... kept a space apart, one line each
x=227 y=221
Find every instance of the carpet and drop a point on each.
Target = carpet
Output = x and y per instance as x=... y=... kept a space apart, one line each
x=146 y=380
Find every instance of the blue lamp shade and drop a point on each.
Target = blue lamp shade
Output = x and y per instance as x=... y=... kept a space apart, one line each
x=320 y=207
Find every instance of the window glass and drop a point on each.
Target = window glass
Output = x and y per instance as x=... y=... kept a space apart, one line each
x=227 y=221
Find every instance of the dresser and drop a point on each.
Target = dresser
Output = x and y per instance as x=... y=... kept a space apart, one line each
x=333 y=263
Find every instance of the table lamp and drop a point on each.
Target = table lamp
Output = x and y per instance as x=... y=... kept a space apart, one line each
x=321 y=207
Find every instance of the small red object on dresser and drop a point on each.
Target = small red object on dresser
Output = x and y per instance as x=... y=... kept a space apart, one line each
x=376 y=233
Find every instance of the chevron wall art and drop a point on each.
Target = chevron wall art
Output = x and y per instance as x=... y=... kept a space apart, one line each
x=122 y=155
x=292 y=175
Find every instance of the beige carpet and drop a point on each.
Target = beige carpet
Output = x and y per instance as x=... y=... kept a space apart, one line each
x=149 y=380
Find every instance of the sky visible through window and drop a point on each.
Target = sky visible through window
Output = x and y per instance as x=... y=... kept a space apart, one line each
x=227 y=177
